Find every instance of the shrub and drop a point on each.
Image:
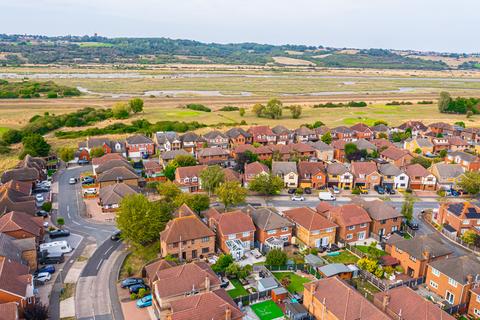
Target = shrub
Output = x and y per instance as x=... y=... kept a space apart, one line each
x=229 y=108
x=141 y=293
x=242 y=112
x=52 y=95
x=47 y=206
x=425 y=102
x=12 y=136
x=356 y=191
x=198 y=107
x=133 y=296
x=121 y=110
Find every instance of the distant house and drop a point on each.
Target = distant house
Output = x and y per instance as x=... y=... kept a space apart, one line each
x=117 y=175
x=188 y=178
x=287 y=171
x=191 y=142
x=423 y=144
x=167 y=156
x=420 y=178
x=263 y=135
x=380 y=130
x=312 y=175
x=339 y=176
x=30 y=169
x=397 y=156
x=416 y=127
x=238 y=136
x=304 y=134
x=353 y=222
x=167 y=141
x=363 y=144
x=213 y=155
x=459 y=216
x=365 y=174
x=381 y=144
x=312 y=230
x=457 y=144
x=343 y=133
x=253 y=170
x=323 y=151
x=452 y=278
x=272 y=230
x=216 y=139
x=448 y=175
x=385 y=218
x=16 y=196
x=439 y=144
x=152 y=169
x=108 y=146
x=292 y=151
x=187 y=238
x=362 y=131
x=467 y=160
x=232 y=175
x=139 y=146
x=235 y=231
x=415 y=254
x=111 y=195
x=284 y=135
x=263 y=152
x=393 y=177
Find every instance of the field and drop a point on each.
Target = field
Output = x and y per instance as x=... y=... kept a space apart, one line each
x=267 y=310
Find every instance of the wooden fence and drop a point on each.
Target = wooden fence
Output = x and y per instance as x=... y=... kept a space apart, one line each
x=384 y=285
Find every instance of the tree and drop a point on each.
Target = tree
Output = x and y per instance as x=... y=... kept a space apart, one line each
x=241 y=111
x=198 y=202
x=379 y=122
x=97 y=152
x=35 y=145
x=258 y=109
x=35 y=311
x=266 y=184
x=444 y=101
x=230 y=193
x=61 y=221
x=233 y=269
x=141 y=220
x=469 y=237
x=12 y=136
x=276 y=257
x=66 y=154
x=470 y=182
x=407 y=207
x=136 y=105
x=296 y=111
x=424 y=162
x=327 y=137
x=222 y=263
x=350 y=148
x=418 y=151
x=168 y=190
x=442 y=153
x=382 y=135
x=460 y=124
x=185 y=160
x=121 y=110
x=273 y=109
x=47 y=206
x=211 y=178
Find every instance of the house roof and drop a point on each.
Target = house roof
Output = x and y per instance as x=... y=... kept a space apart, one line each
x=323 y=206
x=360 y=127
x=336 y=168
x=231 y=175
x=424 y=143
x=116 y=174
x=394 y=153
x=382 y=143
x=14 y=277
x=106 y=158
x=449 y=170
x=377 y=209
x=343 y=301
x=320 y=146
x=308 y=219
x=113 y=163
x=281 y=130
x=342 y=129
x=366 y=168
x=389 y=169
x=21 y=187
x=458 y=268
x=411 y=305
x=152 y=268
x=333 y=269
x=255 y=168
x=13 y=200
x=463 y=156
x=235 y=132
x=114 y=193
x=234 y=222
x=465 y=209
x=212 y=152
x=420 y=244
x=181 y=279
x=306 y=168
x=417 y=125
x=267 y=218
x=152 y=166
x=261 y=130
x=380 y=128
x=441 y=125
x=170 y=155
x=348 y=215
x=9 y=248
x=139 y=139
x=214 y=134
x=284 y=167
x=163 y=137
x=29 y=169
x=416 y=170
x=363 y=144
x=191 y=137
x=16 y=220
x=183 y=211
x=191 y=171
x=212 y=305
x=304 y=131
x=185 y=228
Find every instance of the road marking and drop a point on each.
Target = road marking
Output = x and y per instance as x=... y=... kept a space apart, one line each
x=99 y=264
x=76 y=222
x=68 y=208
x=106 y=252
x=88 y=227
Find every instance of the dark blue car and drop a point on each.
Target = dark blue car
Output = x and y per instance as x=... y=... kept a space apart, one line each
x=130 y=282
x=48 y=268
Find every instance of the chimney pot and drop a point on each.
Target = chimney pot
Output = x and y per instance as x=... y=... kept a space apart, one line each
x=228 y=314
x=207 y=284
x=386 y=301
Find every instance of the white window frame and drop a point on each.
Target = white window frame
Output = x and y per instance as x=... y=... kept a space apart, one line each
x=246 y=234
x=349 y=236
x=435 y=272
x=232 y=236
x=452 y=282
x=351 y=228
x=433 y=284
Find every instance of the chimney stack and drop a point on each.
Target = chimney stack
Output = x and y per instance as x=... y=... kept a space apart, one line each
x=228 y=314
x=385 y=301
x=426 y=253
x=207 y=284
x=469 y=278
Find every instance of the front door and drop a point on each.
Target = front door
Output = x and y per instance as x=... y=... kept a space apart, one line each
x=184 y=255
x=450 y=297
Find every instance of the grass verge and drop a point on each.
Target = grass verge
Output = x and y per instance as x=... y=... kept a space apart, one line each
x=68 y=291
x=133 y=264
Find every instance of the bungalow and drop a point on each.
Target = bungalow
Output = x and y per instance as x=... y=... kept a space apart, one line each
x=284 y=135
x=339 y=176
x=106 y=159
x=312 y=230
x=362 y=131
x=110 y=163
x=458 y=216
x=393 y=177
x=448 y=175
x=188 y=178
x=312 y=175
x=152 y=169
x=167 y=141
x=213 y=155
x=397 y=156
x=216 y=139
x=323 y=151
x=365 y=174
x=287 y=171
x=254 y=169
x=139 y=146
x=263 y=135
x=238 y=136
x=352 y=220
x=304 y=134
x=111 y=195
x=468 y=161
x=420 y=178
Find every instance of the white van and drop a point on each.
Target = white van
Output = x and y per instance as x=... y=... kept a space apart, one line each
x=56 y=247
x=326 y=196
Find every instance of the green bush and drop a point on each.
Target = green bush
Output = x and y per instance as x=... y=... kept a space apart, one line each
x=356 y=191
x=47 y=206
x=228 y=108
x=52 y=95
x=198 y=107
x=133 y=296
x=352 y=104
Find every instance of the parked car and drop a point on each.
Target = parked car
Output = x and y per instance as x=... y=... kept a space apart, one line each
x=336 y=190
x=224 y=282
x=82 y=161
x=58 y=233
x=39 y=197
x=363 y=190
x=145 y=301
x=88 y=180
x=48 y=268
x=297 y=197
x=51 y=258
x=116 y=236
x=307 y=190
x=130 y=282
x=90 y=191
x=379 y=189
x=412 y=225
x=389 y=190
x=291 y=191
x=452 y=193
x=72 y=180
x=42 y=213
x=40 y=189
x=43 y=277
x=136 y=287
x=45 y=183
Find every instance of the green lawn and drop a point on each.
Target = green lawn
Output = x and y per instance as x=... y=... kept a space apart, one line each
x=344 y=257
x=239 y=290
x=365 y=249
x=267 y=310
x=3 y=130
x=296 y=281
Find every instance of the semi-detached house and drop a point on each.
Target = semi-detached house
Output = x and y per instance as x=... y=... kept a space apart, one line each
x=139 y=146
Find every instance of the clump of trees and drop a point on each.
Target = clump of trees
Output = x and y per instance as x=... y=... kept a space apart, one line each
x=446 y=104
x=266 y=184
x=276 y=257
x=470 y=182
x=296 y=111
x=198 y=107
x=34 y=145
x=33 y=89
x=353 y=104
x=228 y=108
x=399 y=103
x=273 y=109
x=231 y=193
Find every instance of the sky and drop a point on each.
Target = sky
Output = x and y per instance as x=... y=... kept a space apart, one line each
x=427 y=25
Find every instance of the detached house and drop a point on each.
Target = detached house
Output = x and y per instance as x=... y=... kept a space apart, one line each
x=398 y=157
x=30 y=169
x=191 y=142
x=21 y=225
x=167 y=141
x=448 y=175
x=385 y=218
x=284 y=135
x=312 y=175
x=452 y=278
x=238 y=136
x=312 y=230
x=393 y=177
x=214 y=155
x=380 y=130
x=287 y=171
x=253 y=170
x=343 y=133
x=216 y=139
x=458 y=217
x=304 y=134
x=235 y=231
x=187 y=238
x=323 y=151
x=139 y=146
x=273 y=230
x=108 y=146
x=362 y=131
x=468 y=161
x=352 y=220
x=188 y=178
x=263 y=135
x=439 y=144
x=339 y=176
x=167 y=156
x=365 y=174
x=457 y=144
x=117 y=175
x=111 y=195
x=420 y=178
x=416 y=127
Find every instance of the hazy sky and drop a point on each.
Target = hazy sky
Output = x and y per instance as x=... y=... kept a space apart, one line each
x=441 y=25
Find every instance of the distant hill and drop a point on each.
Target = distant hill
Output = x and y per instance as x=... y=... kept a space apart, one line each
x=21 y=49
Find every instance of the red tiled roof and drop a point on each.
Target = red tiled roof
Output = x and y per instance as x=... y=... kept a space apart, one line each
x=185 y=228
x=255 y=168
x=106 y=158
x=16 y=220
x=192 y=171
x=365 y=168
x=234 y=222
x=416 y=170
x=349 y=215
x=394 y=153
x=261 y=130
x=309 y=219
x=309 y=168
x=14 y=277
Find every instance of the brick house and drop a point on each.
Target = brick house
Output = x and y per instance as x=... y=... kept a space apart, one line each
x=365 y=174
x=385 y=218
x=110 y=196
x=21 y=225
x=393 y=177
x=238 y=136
x=287 y=171
x=16 y=284
x=263 y=153
x=15 y=197
x=474 y=303
x=254 y=169
x=187 y=238
x=441 y=128
x=292 y=152
x=272 y=230
x=381 y=144
x=213 y=155
x=216 y=139
x=397 y=156
x=459 y=216
x=416 y=127
x=452 y=278
x=235 y=231
x=108 y=161
x=188 y=178
x=339 y=176
x=468 y=161
x=167 y=141
x=343 y=133
x=362 y=131
x=323 y=151
x=457 y=144
x=448 y=175
x=312 y=230
x=304 y=134
x=139 y=146
x=352 y=220
x=284 y=135
x=440 y=144
x=420 y=178
x=312 y=174
x=262 y=134
x=339 y=149
x=333 y=299
x=191 y=142
x=108 y=146
x=415 y=254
